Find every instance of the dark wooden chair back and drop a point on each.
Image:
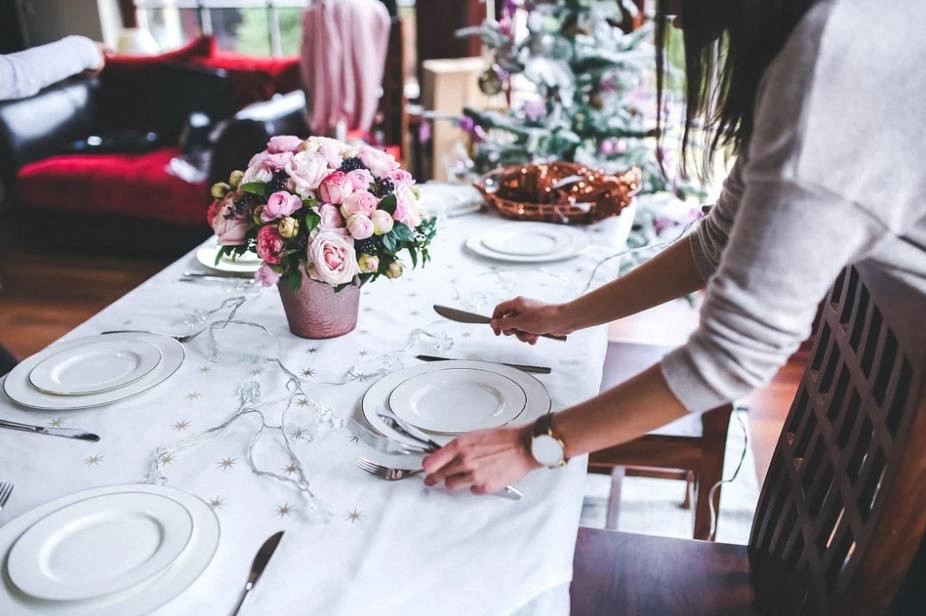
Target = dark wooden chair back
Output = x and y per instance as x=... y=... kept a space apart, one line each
x=843 y=508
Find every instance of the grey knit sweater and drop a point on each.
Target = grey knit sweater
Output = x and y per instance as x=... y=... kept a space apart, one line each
x=835 y=174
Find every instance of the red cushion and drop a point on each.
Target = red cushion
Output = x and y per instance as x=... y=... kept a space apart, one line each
x=203 y=46
x=254 y=79
x=134 y=185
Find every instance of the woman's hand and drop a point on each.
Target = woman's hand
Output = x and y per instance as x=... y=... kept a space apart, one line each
x=485 y=461
x=527 y=318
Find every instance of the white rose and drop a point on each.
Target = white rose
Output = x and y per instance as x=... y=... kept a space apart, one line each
x=382 y=222
x=306 y=171
x=257 y=174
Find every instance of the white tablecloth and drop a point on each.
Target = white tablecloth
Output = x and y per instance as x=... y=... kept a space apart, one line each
x=390 y=548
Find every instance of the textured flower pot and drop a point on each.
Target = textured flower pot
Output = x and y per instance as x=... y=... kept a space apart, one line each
x=316 y=311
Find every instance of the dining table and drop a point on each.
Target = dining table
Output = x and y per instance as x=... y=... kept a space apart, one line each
x=354 y=544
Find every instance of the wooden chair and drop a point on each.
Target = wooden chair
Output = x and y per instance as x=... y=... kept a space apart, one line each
x=843 y=508
x=691 y=449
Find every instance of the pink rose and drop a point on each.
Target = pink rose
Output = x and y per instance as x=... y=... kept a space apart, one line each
x=331 y=150
x=278 y=161
x=360 y=179
x=362 y=202
x=332 y=258
x=360 y=226
x=331 y=217
x=266 y=276
x=306 y=171
x=270 y=245
x=335 y=188
x=283 y=143
x=279 y=205
x=406 y=204
x=379 y=162
x=228 y=224
x=401 y=177
x=258 y=159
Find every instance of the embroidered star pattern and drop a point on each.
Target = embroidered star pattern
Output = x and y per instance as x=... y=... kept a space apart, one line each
x=353 y=438
x=313 y=349
x=354 y=516
x=205 y=370
x=297 y=433
x=363 y=353
x=216 y=502
x=256 y=371
x=180 y=426
x=56 y=423
x=291 y=469
x=93 y=460
x=193 y=395
x=284 y=510
x=227 y=463
x=167 y=458
x=303 y=402
x=308 y=372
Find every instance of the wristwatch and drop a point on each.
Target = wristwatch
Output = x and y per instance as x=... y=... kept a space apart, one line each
x=547 y=448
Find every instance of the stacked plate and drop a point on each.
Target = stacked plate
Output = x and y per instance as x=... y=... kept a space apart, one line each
x=450 y=200
x=118 y=550
x=449 y=398
x=93 y=371
x=529 y=242
x=248 y=263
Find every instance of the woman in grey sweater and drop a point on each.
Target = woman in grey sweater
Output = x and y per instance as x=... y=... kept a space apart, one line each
x=823 y=101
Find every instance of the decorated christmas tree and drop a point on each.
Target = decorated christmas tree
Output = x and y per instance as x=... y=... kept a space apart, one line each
x=578 y=81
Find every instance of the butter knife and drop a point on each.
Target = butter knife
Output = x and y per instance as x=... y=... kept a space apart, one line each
x=522 y=367
x=257 y=567
x=462 y=316
x=61 y=432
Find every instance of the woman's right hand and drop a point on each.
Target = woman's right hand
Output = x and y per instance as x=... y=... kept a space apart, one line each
x=528 y=318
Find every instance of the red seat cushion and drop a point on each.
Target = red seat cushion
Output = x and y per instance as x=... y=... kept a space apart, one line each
x=201 y=46
x=254 y=79
x=135 y=185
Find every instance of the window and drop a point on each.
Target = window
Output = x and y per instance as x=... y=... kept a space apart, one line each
x=249 y=27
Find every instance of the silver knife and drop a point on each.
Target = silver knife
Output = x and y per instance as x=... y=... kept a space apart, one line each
x=61 y=432
x=257 y=567
x=228 y=276
x=470 y=317
x=522 y=367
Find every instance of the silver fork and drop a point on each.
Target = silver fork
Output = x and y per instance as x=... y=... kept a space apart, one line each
x=5 y=490
x=384 y=472
x=185 y=338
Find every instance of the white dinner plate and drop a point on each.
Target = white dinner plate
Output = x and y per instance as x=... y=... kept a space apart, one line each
x=248 y=263
x=18 y=387
x=141 y=599
x=99 y=546
x=457 y=400
x=98 y=365
x=449 y=199
x=376 y=399
x=529 y=242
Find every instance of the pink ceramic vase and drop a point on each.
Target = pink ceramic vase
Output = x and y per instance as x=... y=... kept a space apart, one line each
x=316 y=311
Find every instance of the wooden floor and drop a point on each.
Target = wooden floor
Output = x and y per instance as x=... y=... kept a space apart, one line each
x=43 y=296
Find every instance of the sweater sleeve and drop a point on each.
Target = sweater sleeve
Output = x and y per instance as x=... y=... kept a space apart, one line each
x=24 y=73
x=710 y=238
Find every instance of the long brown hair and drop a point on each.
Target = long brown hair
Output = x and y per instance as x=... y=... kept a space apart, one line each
x=728 y=46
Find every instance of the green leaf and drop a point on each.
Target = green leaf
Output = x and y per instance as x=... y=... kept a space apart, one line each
x=402 y=232
x=389 y=242
x=293 y=280
x=255 y=188
x=310 y=202
x=312 y=220
x=389 y=203
x=414 y=255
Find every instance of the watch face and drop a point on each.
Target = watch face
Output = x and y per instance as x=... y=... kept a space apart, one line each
x=547 y=450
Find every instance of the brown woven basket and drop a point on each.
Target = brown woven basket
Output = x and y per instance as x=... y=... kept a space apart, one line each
x=560 y=192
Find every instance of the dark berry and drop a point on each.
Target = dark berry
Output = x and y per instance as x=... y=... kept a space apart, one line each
x=278 y=183
x=370 y=246
x=352 y=164
x=383 y=187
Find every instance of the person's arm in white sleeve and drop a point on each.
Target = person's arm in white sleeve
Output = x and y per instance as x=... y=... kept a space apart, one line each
x=25 y=73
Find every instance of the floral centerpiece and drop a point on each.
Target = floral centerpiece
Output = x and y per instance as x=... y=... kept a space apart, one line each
x=325 y=218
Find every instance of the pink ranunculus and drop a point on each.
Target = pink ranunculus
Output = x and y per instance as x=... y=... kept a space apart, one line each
x=332 y=257
x=270 y=245
x=335 y=188
x=362 y=202
x=406 y=203
x=229 y=225
x=330 y=217
x=360 y=179
x=283 y=143
x=258 y=159
x=379 y=162
x=360 y=226
x=280 y=204
x=266 y=276
x=306 y=171
x=278 y=161
x=401 y=177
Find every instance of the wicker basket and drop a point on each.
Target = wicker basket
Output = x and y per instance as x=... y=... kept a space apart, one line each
x=560 y=192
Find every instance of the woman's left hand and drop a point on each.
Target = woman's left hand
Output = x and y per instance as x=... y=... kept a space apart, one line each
x=485 y=461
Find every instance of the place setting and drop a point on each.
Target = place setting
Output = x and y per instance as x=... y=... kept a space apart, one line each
x=529 y=242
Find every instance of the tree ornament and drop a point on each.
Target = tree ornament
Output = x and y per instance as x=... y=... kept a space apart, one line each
x=542 y=44
x=490 y=82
